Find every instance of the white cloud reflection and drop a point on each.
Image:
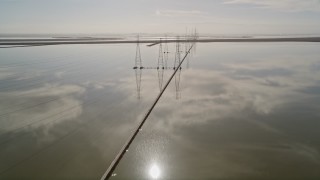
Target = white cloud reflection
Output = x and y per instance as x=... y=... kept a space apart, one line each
x=64 y=97
x=5 y=73
x=239 y=117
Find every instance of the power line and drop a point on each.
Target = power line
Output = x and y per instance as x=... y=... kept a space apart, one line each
x=125 y=148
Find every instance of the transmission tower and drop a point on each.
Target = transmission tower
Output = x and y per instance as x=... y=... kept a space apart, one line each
x=177 y=58
x=160 y=67
x=138 y=68
x=160 y=58
x=138 y=62
x=187 y=47
x=177 y=61
x=166 y=53
x=195 y=38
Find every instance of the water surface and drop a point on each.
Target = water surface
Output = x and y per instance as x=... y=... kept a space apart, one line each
x=234 y=111
x=247 y=111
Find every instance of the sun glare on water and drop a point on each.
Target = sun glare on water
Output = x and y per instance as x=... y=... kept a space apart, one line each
x=154 y=171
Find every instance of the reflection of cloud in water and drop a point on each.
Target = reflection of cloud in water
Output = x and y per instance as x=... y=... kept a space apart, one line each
x=216 y=94
x=102 y=128
x=212 y=95
x=253 y=119
x=60 y=74
x=19 y=74
x=4 y=73
x=66 y=98
x=71 y=149
x=149 y=85
x=99 y=85
x=49 y=90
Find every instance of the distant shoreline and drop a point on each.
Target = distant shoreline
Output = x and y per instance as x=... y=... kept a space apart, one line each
x=61 y=41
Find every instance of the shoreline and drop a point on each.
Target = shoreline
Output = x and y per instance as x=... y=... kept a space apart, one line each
x=44 y=42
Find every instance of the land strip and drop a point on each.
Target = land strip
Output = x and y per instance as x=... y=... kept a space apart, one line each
x=33 y=42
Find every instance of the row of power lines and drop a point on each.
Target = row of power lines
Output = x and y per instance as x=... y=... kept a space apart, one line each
x=182 y=46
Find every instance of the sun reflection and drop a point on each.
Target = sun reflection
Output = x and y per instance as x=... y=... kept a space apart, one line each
x=154 y=171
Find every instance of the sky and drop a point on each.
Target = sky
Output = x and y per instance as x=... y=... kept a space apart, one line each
x=160 y=16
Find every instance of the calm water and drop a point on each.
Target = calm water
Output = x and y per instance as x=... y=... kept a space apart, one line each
x=238 y=111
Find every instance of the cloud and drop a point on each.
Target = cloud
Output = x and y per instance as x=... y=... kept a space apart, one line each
x=285 y=5
x=180 y=13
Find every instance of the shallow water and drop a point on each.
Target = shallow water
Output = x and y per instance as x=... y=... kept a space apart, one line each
x=242 y=110
x=247 y=111
x=67 y=110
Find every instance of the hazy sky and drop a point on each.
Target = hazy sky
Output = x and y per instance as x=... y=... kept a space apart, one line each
x=159 y=16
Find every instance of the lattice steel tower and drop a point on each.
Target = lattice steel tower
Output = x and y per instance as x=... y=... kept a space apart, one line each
x=177 y=58
x=177 y=62
x=166 y=53
x=160 y=66
x=138 y=68
x=160 y=57
x=138 y=62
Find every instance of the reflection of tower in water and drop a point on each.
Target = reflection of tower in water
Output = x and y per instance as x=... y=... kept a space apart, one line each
x=160 y=66
x=160 y=78
x=138 y=73
x=138 y=68
x=177 y=61
x=177 y=83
